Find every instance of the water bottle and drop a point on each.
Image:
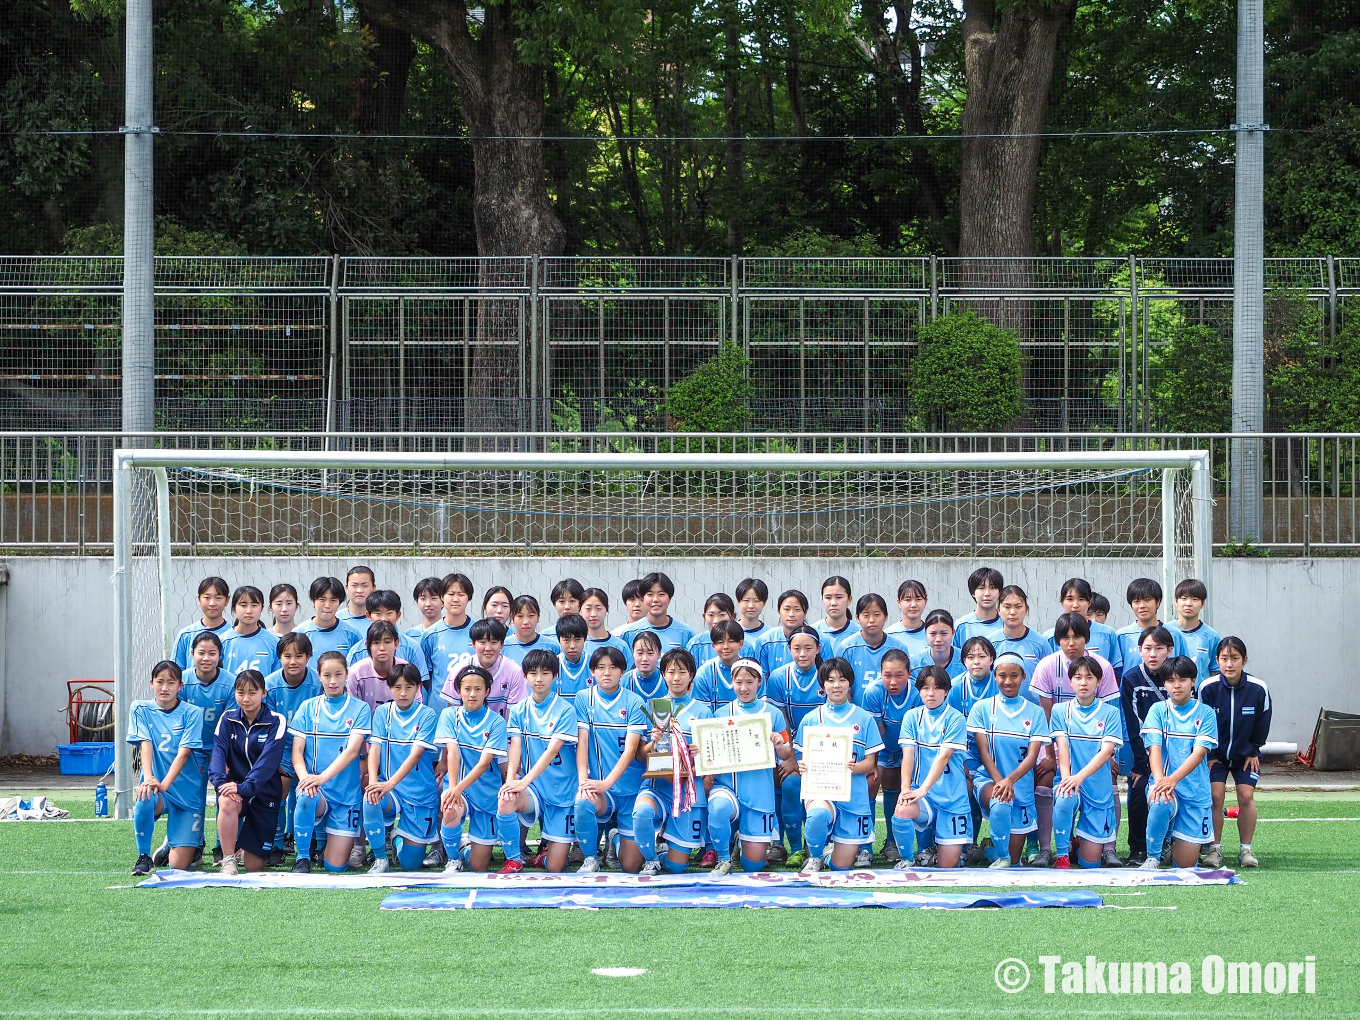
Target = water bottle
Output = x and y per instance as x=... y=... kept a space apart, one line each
x=101 y=800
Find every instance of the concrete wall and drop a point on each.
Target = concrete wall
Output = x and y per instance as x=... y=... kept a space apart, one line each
x=1293 y=614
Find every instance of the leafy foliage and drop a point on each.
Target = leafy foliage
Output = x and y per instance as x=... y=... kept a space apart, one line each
x=966 y=375
x=715 y=397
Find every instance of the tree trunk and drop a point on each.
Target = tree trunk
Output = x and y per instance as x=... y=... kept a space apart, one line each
x=501 y=96
x=380 y=100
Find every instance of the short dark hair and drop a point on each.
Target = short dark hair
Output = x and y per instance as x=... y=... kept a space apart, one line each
x=471 y=669
x=658 y=579
x=1087 y=662
x=1159 y=634
x=524 y=602
x=214 y=584
x=1099 y=603
x=615 y=655
x=462 y=580
x=170 y=666
x=754 y=584
x=1072 y=623
x=938 y=674
x=294 y=640
x=1017 y=591
x=1194 y=588
x=567 y=586
x=1231 y=643
x=1182 y=666
x=647 y=637
x=723 y=601
x=540 y=660
x=487 y=630
x=324 y=586
x=792 y=593
x=246 y=593
x=895 y=655
x=379 y=629
x=596 y=593
x=1077 y=584
x=428 y=586
x=631 y=590
x=909 y=587
x=249 y=678
x=573 y=625
x=361 y=569
x=206 y=637
x=1143 y=588
x=382 y=598
x=985 y=575
x=871 y=599
x=977 y=641
x=509 y=595
x=729 y=630
x=678 y=656
x=407 y=671
x=835 y=664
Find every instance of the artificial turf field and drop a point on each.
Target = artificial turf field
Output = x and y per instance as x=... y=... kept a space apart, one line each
x=76 y=940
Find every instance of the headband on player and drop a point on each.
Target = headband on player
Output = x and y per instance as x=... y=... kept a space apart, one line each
x=749 y=664
x=1008 y=657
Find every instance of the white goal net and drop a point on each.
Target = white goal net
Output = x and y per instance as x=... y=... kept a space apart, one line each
x=174 y=508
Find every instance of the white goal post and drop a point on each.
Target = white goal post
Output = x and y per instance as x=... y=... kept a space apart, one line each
x=169 y=503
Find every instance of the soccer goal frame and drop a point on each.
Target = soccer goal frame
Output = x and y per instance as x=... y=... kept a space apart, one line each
x=132 y=495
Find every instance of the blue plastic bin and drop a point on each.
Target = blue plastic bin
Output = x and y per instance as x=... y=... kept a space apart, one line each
x=89 y=759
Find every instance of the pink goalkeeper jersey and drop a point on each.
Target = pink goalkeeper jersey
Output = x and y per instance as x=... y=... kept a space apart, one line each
x=365 y=684
x=507 y=687
x=1051 y=679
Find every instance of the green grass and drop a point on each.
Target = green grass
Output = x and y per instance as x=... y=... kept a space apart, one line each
x=77 y=940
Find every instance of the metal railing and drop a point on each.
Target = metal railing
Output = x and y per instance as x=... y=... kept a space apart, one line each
x=56 y=488
x=593 y=343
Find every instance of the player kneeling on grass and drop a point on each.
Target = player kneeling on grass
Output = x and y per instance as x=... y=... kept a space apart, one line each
x=1179 y=733
x=328 y=737
x=1085 y=738
x=1008 y=732
x=167 y=732
x=747 y=797
x=660 y=804
x=540 y=780
x=476 y=739
x=849 y=825
x=936 y=798
x=610 y=723
x=401 y=788
x=247 y=748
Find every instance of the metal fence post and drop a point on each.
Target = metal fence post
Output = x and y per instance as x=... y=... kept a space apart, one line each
x=1331 y=297
x=533 y=346
x=139 y=260
x=934 y=288
x=333 y=349
x=401 y=365
x=1133 y=343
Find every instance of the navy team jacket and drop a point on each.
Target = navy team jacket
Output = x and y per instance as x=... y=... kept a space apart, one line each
x=248 y=754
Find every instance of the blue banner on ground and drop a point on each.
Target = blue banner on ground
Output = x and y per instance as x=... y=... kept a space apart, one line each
x=716 y=896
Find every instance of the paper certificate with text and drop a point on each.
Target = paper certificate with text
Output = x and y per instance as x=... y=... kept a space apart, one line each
x=826 y=753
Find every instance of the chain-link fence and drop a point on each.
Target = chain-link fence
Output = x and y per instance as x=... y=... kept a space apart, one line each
x=572 y=344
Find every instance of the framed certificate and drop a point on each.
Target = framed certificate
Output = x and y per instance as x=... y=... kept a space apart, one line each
x=732 y=744
x=826 y=753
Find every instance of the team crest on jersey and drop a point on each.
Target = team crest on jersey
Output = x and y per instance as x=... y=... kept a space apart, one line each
x=1026 y=724
x=856 y=728
x=623 y=713
x=1100 y=725
x=349 y=723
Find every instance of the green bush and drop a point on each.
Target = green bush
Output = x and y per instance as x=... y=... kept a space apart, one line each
x=1193 y=392
x=966 y=375
x=715 y=397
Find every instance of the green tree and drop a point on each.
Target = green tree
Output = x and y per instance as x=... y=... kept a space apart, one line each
x=715 y=397
x=966 y=374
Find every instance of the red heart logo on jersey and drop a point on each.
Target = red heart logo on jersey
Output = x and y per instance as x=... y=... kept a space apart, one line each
x=1026 y=724
x=856 y=728
x=486 y=735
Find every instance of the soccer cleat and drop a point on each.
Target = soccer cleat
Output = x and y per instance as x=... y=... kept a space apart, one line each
x=452 y=866
x=891 y=855
x=611 y=856
x=144 y=865
x=379 y=866
x=197 y=858
x=1213 y=859
x=1247 y=859
x=797 y=859
x=776 y=854
x=161 y=858
x=511 y=868
x=1135 y=858
x=1110 y=859
x=927 y=858
x=811 y=866
x=709 y=858
x=217 y=854
x=1043 y=859
x=289 y=846
x=905 y=864
x=1165 y=858
x=1062 y=863
x=1151 y=864
x=864 y=859
x=302 y=866
x=575 y=854
x=651 y=868
x=722 y=868
x=589 y=866
x=539 y=860
x=436 y=858
x=1005 y=862
x=356 y=858
x=228 y=865
x=276 y=859
x=977 y=855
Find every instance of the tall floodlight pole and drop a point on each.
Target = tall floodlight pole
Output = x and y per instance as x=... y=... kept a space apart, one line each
x=139 y=267
x=1248 y=377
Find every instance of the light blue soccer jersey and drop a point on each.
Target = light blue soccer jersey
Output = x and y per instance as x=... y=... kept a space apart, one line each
x=447 y=650
x=475 y=733
x=339 y=638
x=604 y=722
x=1087 y=729
x=286 y=700
x=395 y=734
x=537 y=726
x=674 y=635
x=326 y=724
x=754 y=789
x=1201 y=644
x=967 y=692
x=888 y=711
x=867 y=741
x=930 y=733
x=212 y=698
x=795 y=691
x=250 y=651
x=836 y=638
x=686 y=711
x=645 y=687
x=168 y=732
x=772 y=649
x=515 y=650
x=626 y=647
x=407 y=650
x=1032 y=647
x=1178 y=731
x=572 y=677
x=713 y=684
x=918 y=647
x=1009 y=726
x=969 y=626
x=184 y=640
x=955 y=668
x=867 y=661
x=701 y=647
